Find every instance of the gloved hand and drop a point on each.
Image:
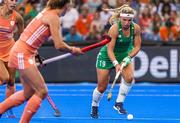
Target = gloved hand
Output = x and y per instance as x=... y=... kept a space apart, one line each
x=127 y=60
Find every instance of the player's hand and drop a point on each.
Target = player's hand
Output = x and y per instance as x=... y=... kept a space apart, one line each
x=118 y=68
x=39 y=59
x=127 y=60
x=76 y=51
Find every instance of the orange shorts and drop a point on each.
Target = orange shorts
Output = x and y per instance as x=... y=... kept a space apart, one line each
x=20 y=57
x=5 y=47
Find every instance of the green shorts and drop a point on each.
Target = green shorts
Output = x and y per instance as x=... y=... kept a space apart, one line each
x=103 y=61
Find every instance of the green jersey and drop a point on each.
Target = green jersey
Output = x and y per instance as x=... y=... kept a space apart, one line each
x=123 y=46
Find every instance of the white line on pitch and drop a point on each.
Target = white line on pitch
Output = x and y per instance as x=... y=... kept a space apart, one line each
x=109 y=118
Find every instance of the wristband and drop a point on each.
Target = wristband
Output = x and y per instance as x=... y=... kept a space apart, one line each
x=115 y=62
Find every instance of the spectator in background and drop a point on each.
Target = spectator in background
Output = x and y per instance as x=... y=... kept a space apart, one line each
x=176 y=16
x=22 y=11
x=69 y=19
x=30 y=9
x=96 y=28
x=159 y=10
x=96 y=23
x=105 y=15
x=33 y=12
x=165 y=8
x=177 y=4
x=154 y=35
x=27 y=5
x=84 y=21
x=94 y=35
x=25 y=17
x=168 y=32
x=93 y=4
x=156 y=2
x=122 y=2
x=156 y=19
x=135 y=5
x=178 y=36
x=173 y=16
x=153 y=7
x=111 y=3
x=99 y=8
x=73 y=36
x=78 y=3
x=145 y=21
x=145 y=1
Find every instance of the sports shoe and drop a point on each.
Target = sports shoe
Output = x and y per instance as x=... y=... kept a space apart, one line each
x=94 y=112
x=10 y=114
x=119 y=107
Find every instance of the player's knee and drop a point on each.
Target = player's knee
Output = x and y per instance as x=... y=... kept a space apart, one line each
x=129 y=79
x=43 y=93
x=28 y=95
x=101 y=89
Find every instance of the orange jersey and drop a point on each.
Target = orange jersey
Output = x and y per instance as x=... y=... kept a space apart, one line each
x=165 y=33
x=36 y=33
x=24 y=50
x=83 y=25
x=7 y=27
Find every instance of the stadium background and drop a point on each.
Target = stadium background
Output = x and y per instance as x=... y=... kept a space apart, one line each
x=86 y=22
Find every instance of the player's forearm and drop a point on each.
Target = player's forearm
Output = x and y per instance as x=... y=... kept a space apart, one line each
x=112 y=57
x=134 y=52
x=64 y=47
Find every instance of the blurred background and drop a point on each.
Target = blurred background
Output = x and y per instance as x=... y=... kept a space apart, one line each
x=85 y=22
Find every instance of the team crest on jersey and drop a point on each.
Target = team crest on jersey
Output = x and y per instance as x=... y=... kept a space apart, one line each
x=120 y=37
x=12 y=23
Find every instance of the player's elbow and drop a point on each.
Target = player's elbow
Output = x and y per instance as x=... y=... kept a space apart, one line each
x=129 y=79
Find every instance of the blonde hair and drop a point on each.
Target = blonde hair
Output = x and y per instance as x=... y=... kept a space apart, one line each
x=124 y=9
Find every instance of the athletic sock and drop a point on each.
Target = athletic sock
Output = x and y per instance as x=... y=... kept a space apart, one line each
x=96 y=97
x=123 y=91
x=30 y=109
